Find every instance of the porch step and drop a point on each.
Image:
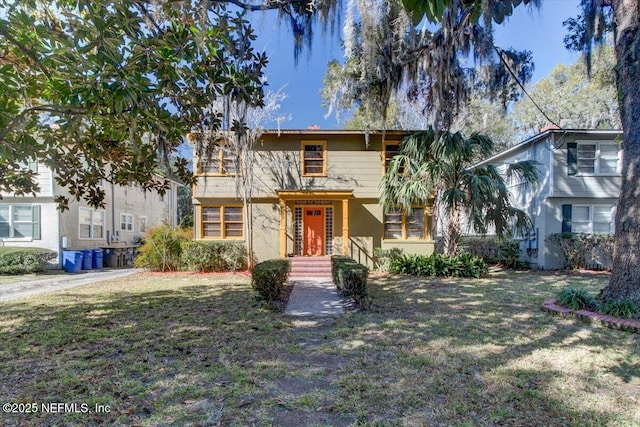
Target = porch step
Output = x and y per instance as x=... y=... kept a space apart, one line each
x=301 y=267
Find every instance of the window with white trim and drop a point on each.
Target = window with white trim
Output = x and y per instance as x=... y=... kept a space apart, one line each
x=19 y=221
x=588 y=219
x=90 y=223
x=126 y=222
x=598 y=158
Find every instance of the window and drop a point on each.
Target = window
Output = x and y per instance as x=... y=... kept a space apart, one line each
x=593 y=158
x=126 y=222
x=221 y=161
x=399 y=224
x=314 y=158
x=222 y=222
x=91 y=224
x=142 y=223
x=19 y=221
x=390 y=149
x=588 y=218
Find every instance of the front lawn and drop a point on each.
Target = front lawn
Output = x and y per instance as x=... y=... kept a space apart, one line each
x=175 y=349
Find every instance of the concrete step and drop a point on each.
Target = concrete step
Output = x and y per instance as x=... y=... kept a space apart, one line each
x=302 y=267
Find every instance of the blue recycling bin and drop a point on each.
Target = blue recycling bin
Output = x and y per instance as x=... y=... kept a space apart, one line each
x=98 y=257
x=72 y=261
x=87 y=259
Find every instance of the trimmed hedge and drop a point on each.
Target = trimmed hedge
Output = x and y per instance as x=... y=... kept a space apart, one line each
x=592 y=251
x=15 y=260
x=212 y=256
x=464 y=265
x=268 y=278
x=349 y=277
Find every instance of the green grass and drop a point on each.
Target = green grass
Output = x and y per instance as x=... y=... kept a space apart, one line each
x=177 y=349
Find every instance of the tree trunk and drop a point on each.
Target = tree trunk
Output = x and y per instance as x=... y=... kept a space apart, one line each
x=625 y=278
x=452 y=232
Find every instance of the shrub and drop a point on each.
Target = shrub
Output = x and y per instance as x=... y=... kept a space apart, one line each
x=593 y=251
x=161 y=249
x=576 y=299
x=15 y=260
x=268 y=278
x=622 y=309
x=337 y=263
x=510 y=252
x=349 y=277
x=464 y=265
x=212 y=256
x=485 y=247
x=353 y=277
x=384 y=257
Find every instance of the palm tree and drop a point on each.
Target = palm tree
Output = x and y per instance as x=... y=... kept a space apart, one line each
x=439 y=168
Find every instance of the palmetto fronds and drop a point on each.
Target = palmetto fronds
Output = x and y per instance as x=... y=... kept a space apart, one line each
x=440 y=168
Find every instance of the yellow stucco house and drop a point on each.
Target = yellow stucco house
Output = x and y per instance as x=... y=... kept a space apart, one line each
x=316 y=192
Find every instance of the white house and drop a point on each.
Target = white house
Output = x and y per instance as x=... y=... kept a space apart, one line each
x=579 y=186
x=29 y=221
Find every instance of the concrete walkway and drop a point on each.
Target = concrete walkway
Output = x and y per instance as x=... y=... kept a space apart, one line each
x=60 y=281
x=314 y=297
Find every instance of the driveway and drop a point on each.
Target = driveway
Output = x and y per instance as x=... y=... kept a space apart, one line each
x=60 y=281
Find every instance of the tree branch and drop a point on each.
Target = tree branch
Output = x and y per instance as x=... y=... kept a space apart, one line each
x=25 y=51
x=513 y=75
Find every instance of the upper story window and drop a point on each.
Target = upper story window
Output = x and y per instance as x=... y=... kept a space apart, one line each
x=222 y=222
x=593 y=158
x=314 y=158
x=221 y=161
x=390 y=149
x=399 y=224
x=126 y=222
x=90 y=224
x=19 y=221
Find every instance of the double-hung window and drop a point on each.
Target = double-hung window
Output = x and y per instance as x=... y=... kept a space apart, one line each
x=222 y=222
x=400 y=224
x=91 y=224
x=19 y=221
x=126 y=222
x=593 y=158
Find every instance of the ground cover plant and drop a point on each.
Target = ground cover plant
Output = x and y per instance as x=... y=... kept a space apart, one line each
x=183 y=348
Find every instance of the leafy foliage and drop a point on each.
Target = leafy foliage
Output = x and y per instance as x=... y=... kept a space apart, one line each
x=510 y=252
x=583 y=250
x=464 y=265
x=15 y=260
x=106 y=90
x=268 y=278
x=485 y=247
x=212 y=256
x=442 y=166
x=620 y=308
x=349 y=277
x=384 y=257
x=161 y=249
x=576 y=299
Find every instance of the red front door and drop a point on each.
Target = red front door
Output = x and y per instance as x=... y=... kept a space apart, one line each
x=313 y=234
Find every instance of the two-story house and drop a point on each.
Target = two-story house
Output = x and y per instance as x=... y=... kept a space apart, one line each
x=316 y=192
x=579 y=185
x=28 y=221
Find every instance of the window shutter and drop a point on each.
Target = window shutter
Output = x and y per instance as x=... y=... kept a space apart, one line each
x=35 y=222
x=566 y=218
x=572 y=158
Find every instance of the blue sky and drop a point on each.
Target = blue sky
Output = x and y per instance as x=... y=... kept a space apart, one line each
x=538 y=31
